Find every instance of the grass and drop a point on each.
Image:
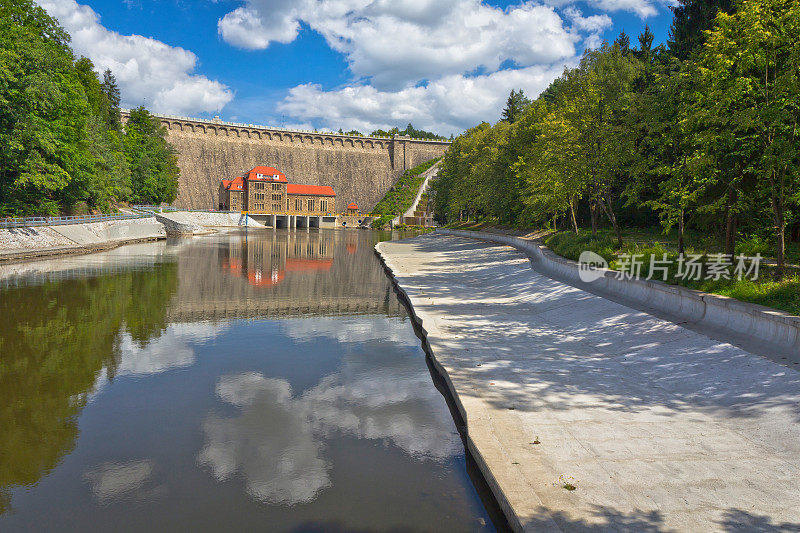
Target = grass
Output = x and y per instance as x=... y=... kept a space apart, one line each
x=401 y=195
x=783 y=294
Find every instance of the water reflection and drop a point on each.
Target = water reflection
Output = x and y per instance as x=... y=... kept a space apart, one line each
x=52 y=352
x=223 y=382
x=276 y=439
x=114 y=481
x=270 y=442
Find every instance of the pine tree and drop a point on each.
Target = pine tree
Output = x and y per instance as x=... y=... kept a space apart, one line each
x=692 y=18
x=624 y=42
x=515 y=105
x=112 y=92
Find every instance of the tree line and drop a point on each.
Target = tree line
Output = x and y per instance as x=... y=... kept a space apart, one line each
x=410 y=131
x=698 y=133
x=63 y=148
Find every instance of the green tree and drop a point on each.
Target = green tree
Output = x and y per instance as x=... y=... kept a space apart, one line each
x=515 y=105
x=665 y=169
x=750 y=66
x=114 y=96
x=43 y=113
x=152 y=161
x=692 y=18
x=594 y=102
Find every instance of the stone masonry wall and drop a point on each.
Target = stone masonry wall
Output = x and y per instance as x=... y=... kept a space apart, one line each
x=360 y=169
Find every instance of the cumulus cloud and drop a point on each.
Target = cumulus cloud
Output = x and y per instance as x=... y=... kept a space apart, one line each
x=398 y=43
x=447 y=105
x=148 y=71
x=443 y=66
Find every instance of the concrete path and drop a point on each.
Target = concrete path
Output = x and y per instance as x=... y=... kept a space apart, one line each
x=659 y=428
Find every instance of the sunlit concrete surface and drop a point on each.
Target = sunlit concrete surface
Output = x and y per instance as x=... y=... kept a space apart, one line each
x=659 y=428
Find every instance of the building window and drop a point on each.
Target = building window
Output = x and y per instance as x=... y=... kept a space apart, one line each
x=260 y=196
x=276 y=186
x=323 y=205
x=276 y=198
x=311 y=205
x=259 y=186
x=298 y=204
x=276 y=207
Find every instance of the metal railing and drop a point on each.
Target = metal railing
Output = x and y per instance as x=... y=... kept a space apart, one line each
x=28 y=222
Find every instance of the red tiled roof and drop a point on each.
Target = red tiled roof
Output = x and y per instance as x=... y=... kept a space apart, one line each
x=316 y=190
x=269 y=172
x=352 y=205
x=235 y=184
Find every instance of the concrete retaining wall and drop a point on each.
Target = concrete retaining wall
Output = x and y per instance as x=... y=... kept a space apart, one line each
x=719 y=312
x=27 y=243
x=212 y=220
x=111 y=231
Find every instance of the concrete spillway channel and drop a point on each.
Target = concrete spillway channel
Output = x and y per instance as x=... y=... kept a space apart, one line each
x=589 y=414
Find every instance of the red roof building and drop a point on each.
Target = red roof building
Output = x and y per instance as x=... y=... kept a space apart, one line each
x=267 y=190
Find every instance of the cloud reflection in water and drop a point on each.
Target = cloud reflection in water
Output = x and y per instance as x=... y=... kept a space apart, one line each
x=276 y=443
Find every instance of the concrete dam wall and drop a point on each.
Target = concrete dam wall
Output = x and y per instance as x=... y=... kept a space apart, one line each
x=360 y=169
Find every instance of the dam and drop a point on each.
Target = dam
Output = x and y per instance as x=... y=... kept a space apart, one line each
x=360 y=169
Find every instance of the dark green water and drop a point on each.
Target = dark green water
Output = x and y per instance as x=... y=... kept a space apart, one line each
x=263 y=381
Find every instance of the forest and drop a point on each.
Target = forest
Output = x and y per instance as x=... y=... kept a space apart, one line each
x=63 y=148
x=695 y=139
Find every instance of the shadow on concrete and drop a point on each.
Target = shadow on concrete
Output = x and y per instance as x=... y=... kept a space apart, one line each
x=532 y=337
x=606 y=520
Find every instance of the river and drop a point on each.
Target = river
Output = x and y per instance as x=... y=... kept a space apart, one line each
x=265 y=380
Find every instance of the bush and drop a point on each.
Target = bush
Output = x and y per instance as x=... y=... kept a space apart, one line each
x=570 y=245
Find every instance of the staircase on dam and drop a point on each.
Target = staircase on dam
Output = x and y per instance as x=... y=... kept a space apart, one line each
x=421 y=211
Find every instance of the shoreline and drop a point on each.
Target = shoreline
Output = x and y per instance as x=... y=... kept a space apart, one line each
x=442 y=379
x=47 y=253
x=504 y=413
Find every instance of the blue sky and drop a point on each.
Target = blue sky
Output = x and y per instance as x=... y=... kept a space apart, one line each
x=327 y=64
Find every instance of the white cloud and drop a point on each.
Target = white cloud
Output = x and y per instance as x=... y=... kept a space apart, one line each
x=642 y=8
x=447 y=105
x=443 y=66
x=148 y=71
x=398 y=43
x=245 y=28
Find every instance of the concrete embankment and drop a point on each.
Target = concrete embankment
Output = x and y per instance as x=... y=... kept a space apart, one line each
x=199 y=219
x=586 y=414
x=32 y=242
x=728 y=316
